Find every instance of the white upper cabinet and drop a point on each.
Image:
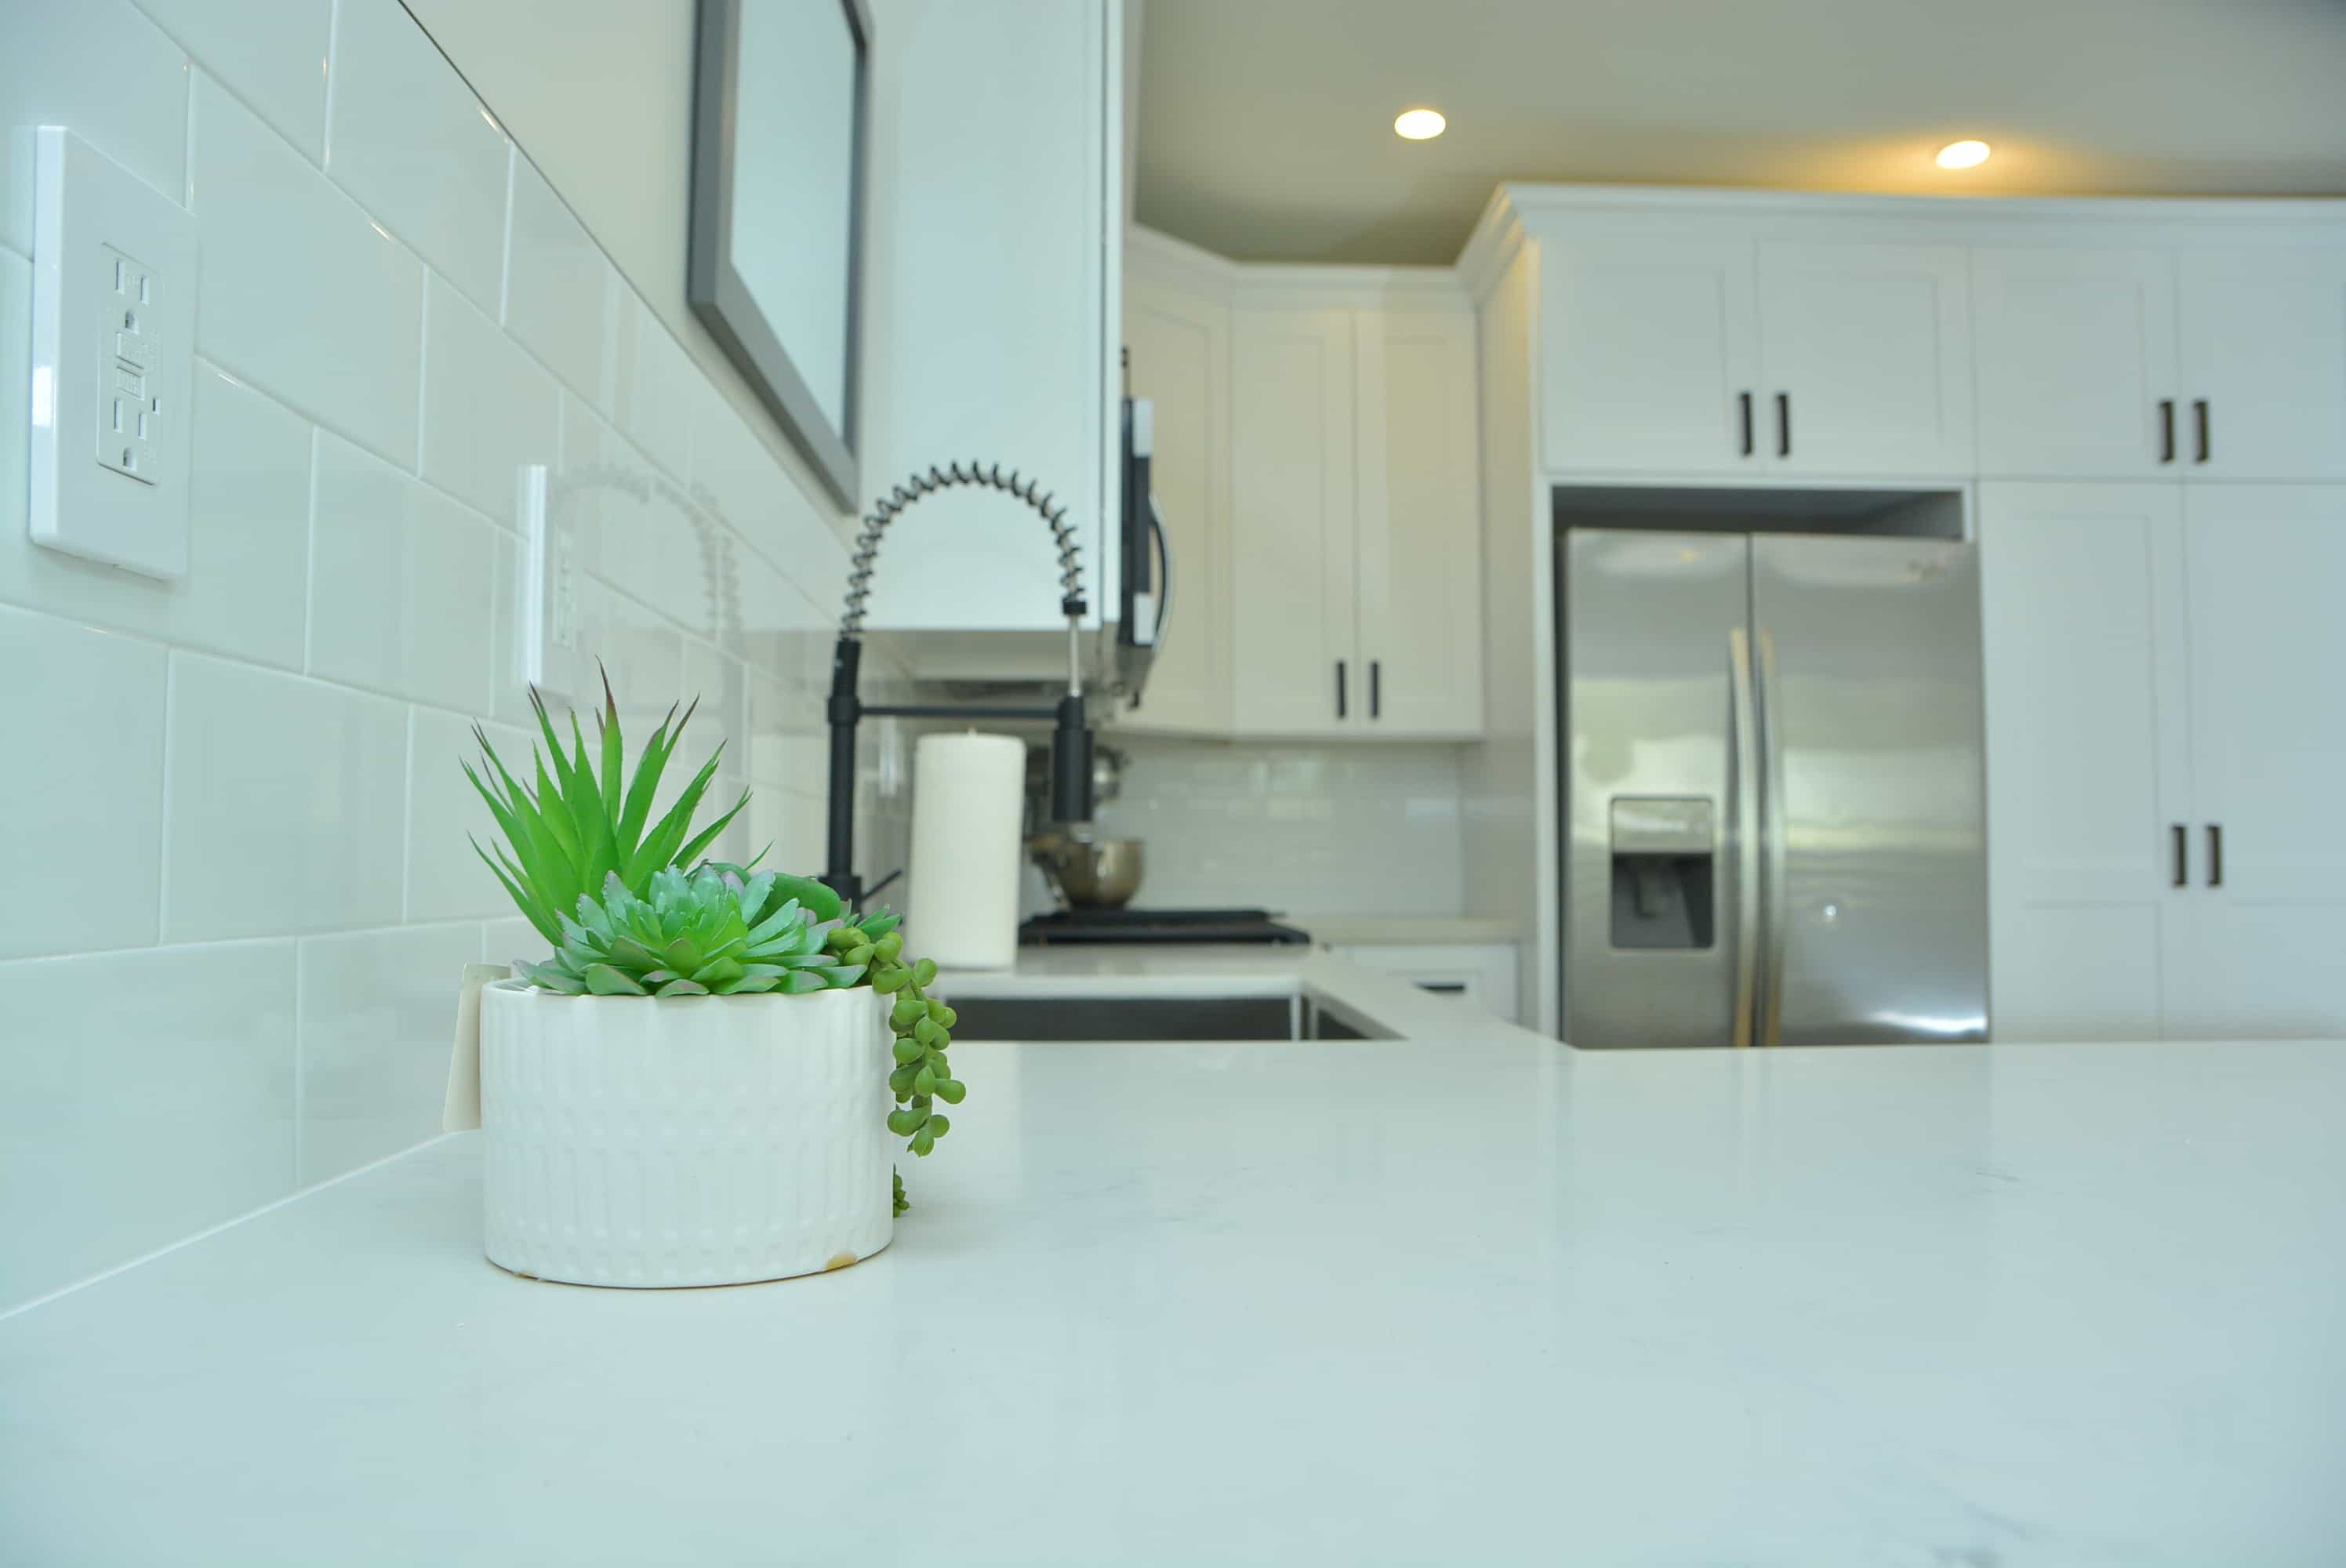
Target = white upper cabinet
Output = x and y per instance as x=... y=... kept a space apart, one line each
x=2083 y=651
x=1647 y=349
x=1865 y=358
x=2074 y=355
x=1417 y=544
x=1699 y=357
x=2264 y=363
x=1179 y=344
x=1295 y=633
x=994 y=307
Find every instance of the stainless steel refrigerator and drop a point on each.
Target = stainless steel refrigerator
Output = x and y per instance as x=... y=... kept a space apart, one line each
x=1773 y=790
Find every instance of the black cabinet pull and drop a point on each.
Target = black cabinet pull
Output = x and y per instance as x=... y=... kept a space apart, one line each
x=1743 y=401
x=2182 y=855
x=1783 y=425
x=2199 y=425
x=2215 y=854
x=2167 y=429
x=1376 y=689
x=1340 y=688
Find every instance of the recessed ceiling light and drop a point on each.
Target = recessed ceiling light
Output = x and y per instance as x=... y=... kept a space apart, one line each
x=1419 y=125
x=1963 y=155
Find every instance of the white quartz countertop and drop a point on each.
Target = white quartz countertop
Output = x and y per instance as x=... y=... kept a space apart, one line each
x=1472 y=1298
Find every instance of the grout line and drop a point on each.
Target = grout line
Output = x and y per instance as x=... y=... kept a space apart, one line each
x=326 y=126
x=407 y=824
x=309 y=559
x=505 y=261
x=187 y=139
x=6 y=964
x=210 y=1231
x=300 y=1059
x=163 y=827
x=423 y=354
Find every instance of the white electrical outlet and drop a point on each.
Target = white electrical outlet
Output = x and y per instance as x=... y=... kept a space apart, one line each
x=113 y=285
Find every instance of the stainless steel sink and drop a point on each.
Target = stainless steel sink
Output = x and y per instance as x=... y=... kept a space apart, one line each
x=1049 y=1018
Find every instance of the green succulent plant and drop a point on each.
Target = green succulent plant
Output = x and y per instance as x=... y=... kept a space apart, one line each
x=692 y=937
x=578 y=828
x=626 y=918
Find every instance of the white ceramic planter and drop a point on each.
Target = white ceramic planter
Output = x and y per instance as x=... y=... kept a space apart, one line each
x=701 y=1141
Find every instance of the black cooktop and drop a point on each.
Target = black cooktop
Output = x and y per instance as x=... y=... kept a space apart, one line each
x=1127 y=925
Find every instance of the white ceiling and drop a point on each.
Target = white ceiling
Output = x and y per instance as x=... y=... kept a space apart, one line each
x=1266 y=125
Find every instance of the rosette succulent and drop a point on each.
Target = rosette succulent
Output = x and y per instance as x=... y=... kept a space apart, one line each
x=691 y=936
x=609 y=885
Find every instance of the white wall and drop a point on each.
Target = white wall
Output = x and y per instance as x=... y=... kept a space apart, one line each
x=237 y=891
x=1303 y=830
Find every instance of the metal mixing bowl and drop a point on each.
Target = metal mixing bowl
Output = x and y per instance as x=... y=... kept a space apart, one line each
x=1093 y=873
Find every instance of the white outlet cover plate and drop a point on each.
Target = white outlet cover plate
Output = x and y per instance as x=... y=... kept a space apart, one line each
x=109 y=252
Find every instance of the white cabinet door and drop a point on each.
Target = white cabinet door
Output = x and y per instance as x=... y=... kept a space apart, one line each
x=2264 y=363
x=2075 y=357
x=1294 y=639
x=1179 y=358
x=2081 y=609
x=999 y=341
x=1645 y=349
x=1865 y=358
x=1419 y=536
x=2268 y=754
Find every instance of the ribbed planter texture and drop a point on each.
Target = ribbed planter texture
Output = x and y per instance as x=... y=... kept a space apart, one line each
x=708 y=1140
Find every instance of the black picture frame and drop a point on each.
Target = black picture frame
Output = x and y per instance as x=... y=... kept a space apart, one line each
x=716 y=289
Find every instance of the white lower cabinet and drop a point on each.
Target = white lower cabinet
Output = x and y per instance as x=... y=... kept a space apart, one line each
x=1483 y=976
x=2164 y=741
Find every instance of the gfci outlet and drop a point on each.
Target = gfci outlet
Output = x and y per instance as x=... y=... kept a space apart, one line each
x=114 y=286
x=545 y=595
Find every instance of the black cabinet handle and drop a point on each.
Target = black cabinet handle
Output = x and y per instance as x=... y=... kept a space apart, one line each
x=1376 y=689
x=2182 y=856
x=1340 y=688
x=2167 y=429
x=1783 y=425
x=2215 y=854
x=2199 y=425
x=1744 y=401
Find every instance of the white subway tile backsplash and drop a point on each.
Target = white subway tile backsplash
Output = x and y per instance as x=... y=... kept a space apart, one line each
x=653 y=543
x=719 y=685
x=82 y=794
x=103 y=69
x=445 y=879
x=269 y=53
x=143 y=1097
x=410 y=141
x=301 y=293
x=561 y=294
x=378 y=1011
x=655 y=389
x=512 y=939
x=489 y=410
x=735 y=474
x=404 y=596
x=286 y=798
x=270 y=750
x=1282 y=827
x=248 y=535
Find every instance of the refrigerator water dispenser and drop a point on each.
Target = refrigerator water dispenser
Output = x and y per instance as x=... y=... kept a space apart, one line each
x=1665 y=850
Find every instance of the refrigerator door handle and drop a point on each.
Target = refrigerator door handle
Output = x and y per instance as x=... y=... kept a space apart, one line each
x=1775 y=916
x=1743 y=813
